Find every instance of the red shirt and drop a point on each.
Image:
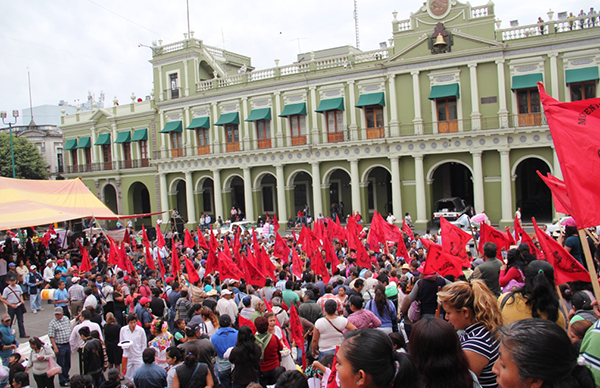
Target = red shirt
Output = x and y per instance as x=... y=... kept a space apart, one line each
x=271 y=357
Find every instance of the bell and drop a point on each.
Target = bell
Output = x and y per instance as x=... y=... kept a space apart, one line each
x=439 y=41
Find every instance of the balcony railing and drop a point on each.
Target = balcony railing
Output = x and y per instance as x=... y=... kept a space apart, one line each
x=177 y=152
x=263 y=144
x=232 y=147
x=138 y=163
x=107 y=166
x=203 y=150
x=375 y=133
x=550 y=27
x=335 y=137
x=298 y=140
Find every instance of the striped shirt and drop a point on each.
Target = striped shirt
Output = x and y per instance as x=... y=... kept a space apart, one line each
x=590 y=350
x=477 y=339
x=60 y=330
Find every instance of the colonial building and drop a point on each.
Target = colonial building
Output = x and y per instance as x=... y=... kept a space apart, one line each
x=449 y=107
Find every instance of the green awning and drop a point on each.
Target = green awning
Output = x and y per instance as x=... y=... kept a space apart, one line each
x=331 y=104
x=140 y=134
x=84 y=142
x=371 y=99
x=103 y=139
x=123 y=137
x=228 y=118
x=200 y=122
x=441 y=91
x=173 y=126
x=70 y=144
x=259 y=114
x=581 y=75
x=294 y=109
x=526 y=81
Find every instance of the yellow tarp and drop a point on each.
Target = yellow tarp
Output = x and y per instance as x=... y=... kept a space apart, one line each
x=26 y=202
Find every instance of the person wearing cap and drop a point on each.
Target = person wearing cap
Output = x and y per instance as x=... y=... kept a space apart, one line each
x=34 y=282
x=226 y=304
x=11 y=297
x=61 y=298
x=135 y=342
x=59 y=332
x=145 y=316
x=76 y=296
x=8 y=342
x=202 y=347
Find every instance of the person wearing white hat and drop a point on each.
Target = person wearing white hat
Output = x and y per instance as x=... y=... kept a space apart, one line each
x=226 y=304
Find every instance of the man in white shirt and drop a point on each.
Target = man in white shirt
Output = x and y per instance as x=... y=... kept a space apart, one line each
x=133 y=349
x=75 y=340
x=390 y=218
x=226 y=304
x=48 y=271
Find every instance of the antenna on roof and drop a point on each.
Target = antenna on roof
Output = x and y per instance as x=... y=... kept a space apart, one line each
x=356 y=23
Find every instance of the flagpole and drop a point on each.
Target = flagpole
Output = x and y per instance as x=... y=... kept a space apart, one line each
x=590 y=263
x=591 y=236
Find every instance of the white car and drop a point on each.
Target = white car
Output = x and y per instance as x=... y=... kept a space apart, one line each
x=557 y=226
x=244 y=225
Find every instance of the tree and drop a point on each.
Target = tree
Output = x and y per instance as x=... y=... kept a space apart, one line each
x=29 y=163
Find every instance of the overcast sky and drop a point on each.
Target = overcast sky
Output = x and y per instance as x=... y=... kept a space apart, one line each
x=72 y=47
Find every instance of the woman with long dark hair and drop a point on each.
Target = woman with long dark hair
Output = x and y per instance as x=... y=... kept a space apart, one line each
x=246 y=358
x=367 y=359
x=383 y=309
x=192 y=373
x=512 y=271
x=436 y=351
x=536 y=299
x=473 y=309
x=174 y=359
x=538 y=353
x=570 y=240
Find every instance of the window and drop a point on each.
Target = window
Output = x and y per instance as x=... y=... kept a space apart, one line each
x=207 y=200
x=267 y=195
x=583 y=90
x=127 y=155
x=106 y=157
x=528 y=101
x=144 y=153
x=59 y=160
x=74 y=161
x=203 y=141
x=335 y=125
x=263 y=131
x=232 y=136
x=374 y=118
x=176 y=145
x=446 y=114
x=88 y=159
x=298 y=129
x=174 y=87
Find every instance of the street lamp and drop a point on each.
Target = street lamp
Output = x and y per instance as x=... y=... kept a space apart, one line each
x=12 y=151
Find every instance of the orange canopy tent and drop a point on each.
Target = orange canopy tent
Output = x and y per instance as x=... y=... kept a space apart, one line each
x=26 y=202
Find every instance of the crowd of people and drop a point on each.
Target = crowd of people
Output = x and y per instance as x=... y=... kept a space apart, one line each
x=170 y=313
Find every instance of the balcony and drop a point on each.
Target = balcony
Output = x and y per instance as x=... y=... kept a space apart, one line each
x=375 y=133
x=335 y=137
x=264 y=144
x=232 y=147
x=529 y=119
x=298 y=140
x=138 y=163
x=177 y=152
x=447 y=126
x=203 y=150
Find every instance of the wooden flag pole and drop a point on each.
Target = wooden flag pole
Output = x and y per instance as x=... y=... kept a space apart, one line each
x=591 y=236
x=590 y=263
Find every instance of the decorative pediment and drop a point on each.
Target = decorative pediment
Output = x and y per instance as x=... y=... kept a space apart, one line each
x=99 y=114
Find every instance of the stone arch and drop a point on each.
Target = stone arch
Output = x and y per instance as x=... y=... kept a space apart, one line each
x=257 y=181
x=110 y=196
x=531 y=193
x=515 y=165
x=138 y=198
x=442 y=162
x=366 y=173
x=200 y=182
x=229 y=179
x=327 y=174
x=290 y=180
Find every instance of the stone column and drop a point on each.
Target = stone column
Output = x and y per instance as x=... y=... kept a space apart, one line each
x=281 y=204
x=186 y=81
x=218 y=187
x=420 y=191
x=352 y=101
x=394 y=124
x=506 y=188
x=278 y=127
x=216 y=138
x=248 y=194
x=418 y=120
x=189 y=198
x=396 y=190
x=164 y=138
x=93 y=148
x=244 y=126
x=160 y=84
x=502 y=111
x=478 y=182
x=475 y=115
x=314 y=118
x=316 y=189
x=554 y=73
x=116 y=155
x=355 y=185
x=187 y=133
x=164 y=198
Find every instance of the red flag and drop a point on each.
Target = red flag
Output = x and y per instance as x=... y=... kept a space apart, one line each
x=212 y=263
x=45 y=240
x=362 y=256
x=330 y=256
x=160 y=239
x=85 y=265
x=201 y=240
x=113 y=254
x=193 y=276
x=161 y=265
x=509 y=237
x=489 y=234
x=275 y=223
x=402 y=251
x=406 y=229
x=562 y=202
x=426 y=242
x=51 y=229
x=335 y=230
x=352 y=227
x=253 y=276
x=454 y=241
x=297 y=264
x=518 y=228
x=389 y=231
x=175 y=265
x=188 y=240
x=296 y=328
x=281 y=249
x=438 y=261
x=267 y=265
x=566 y=268
x=574 y=129
x=332 y=381
x=126 y=238
x=246 y=322
x=375 y=237
x=147 y=250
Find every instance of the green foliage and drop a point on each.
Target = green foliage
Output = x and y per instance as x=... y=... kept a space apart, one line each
x=29 y=163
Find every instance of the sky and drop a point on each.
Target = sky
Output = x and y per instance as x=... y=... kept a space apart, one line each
x=73 y=47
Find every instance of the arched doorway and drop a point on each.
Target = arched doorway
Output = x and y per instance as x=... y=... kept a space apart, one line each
x=532 y=195
x=302 y=193
x=452 y=179
x=237 y=195
x=380 y=192
x=340 y=195
x=139 y=203
x=207 y=196
x=180 y=200
x=267 y=184
x=109 y=194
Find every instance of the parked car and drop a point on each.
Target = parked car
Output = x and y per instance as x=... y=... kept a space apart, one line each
x=450 y=208
x=244 y=225
x=557 y=226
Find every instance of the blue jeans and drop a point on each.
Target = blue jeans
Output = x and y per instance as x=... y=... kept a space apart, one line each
x=63 y=359
x=35 y=301
x=225 y=379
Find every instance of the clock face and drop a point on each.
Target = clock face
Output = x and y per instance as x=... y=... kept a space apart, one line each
x=438 y=8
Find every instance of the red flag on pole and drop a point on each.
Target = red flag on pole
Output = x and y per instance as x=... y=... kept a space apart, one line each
x=246 y=322
x=455 y=241
x=201 y=240
x=489 y=234
x=275 y=223
x=160 y=239
x=253 y=276
x=147 y=250
x=193 y=276
x=113 y=253
x=566 y=268
x=510 y=238
x=126 y=238
x=332 y=381
x=438 y=261
x=560 y=197
x=297 y=264
x=406 y=229
x=175 y=265
x=574 y=129
x=188 y=240
x=85 y=265
x=362 y=256
x=281 y=249
x=296 y=328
